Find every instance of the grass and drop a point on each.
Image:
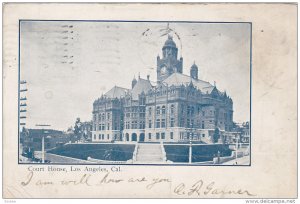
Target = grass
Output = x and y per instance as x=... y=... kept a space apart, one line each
x=200 y=153
x=112 y=152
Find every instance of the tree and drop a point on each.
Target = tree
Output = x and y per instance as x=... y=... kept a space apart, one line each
x=77 y=129
x=216 y=135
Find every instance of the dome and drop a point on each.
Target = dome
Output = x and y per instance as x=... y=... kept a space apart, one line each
x=169 y=42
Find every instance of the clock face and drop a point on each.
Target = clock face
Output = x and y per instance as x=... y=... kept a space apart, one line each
x=163 y=70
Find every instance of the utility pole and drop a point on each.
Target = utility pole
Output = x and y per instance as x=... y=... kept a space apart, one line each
x=236 y=148
x=190 y=151
x=43 y=149
x=43 y=139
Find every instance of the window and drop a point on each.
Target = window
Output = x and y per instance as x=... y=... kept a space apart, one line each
x=202 y=124
x=163 y=110
x=203 y=135
x=172 y=109
x=127 y=115
x=142 y=124
x=127 y=125
x=149 y=136
x=181 y=122
x=103 y=116
x=157 y=110
x=188 y=110
x=150 y=124
x=107 y=126
x=102 y=136
x=108 y=116
x=182 y=108
x=94 y=136
x=192 y=110
x=181 y=135
x=163 y=123
x=100 y=127
x=108 y=136
x=163 y=136
x=172 y=122
x=99 y=136
x=94 y=117
x=150 y=111
x=134 y=125
x=158 y=123
x=157 y=136
x=171 y=135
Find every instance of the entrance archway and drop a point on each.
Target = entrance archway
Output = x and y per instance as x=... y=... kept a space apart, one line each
x=142 y=137
x=133 y=137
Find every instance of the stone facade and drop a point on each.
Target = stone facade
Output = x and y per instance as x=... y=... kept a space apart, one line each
x=178 y=109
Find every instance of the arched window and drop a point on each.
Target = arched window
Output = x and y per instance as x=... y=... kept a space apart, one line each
x=172 y=109
x=188 y=110
x=157 y=110
x=163 y=110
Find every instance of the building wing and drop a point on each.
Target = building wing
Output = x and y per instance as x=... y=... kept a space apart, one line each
x=141 y=86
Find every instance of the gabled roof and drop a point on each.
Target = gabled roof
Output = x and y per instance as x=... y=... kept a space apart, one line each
x=116 y=92
x=142 y=85
x=178 y=79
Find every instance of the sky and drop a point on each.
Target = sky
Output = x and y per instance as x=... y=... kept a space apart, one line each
x=68 y=65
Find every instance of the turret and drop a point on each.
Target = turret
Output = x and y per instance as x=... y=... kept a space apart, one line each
x=133 y=83
x=194 y=71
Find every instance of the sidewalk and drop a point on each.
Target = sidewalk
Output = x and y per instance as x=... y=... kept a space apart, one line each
x=239 y=161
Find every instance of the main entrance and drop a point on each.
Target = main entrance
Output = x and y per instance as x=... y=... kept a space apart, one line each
x=133 y=137
x=142 y=137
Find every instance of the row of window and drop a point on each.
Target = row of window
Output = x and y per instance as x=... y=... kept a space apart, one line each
x=135 y=115
x=183 y=135
x=101 y=116
x=161 y=110
x=160 y=135
x=101 y=137
x=107 y=127
x=135 y=125
x=135 y=109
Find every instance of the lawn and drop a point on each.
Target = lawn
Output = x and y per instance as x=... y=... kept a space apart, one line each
x=200 y=153
x=112 y=152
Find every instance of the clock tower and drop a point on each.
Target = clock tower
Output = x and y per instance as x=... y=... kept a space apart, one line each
x=169 y=63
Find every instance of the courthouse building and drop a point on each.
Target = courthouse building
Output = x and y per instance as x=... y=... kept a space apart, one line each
x=178 y=108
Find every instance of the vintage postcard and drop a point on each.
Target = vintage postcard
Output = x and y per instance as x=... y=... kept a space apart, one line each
x=160 y=104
